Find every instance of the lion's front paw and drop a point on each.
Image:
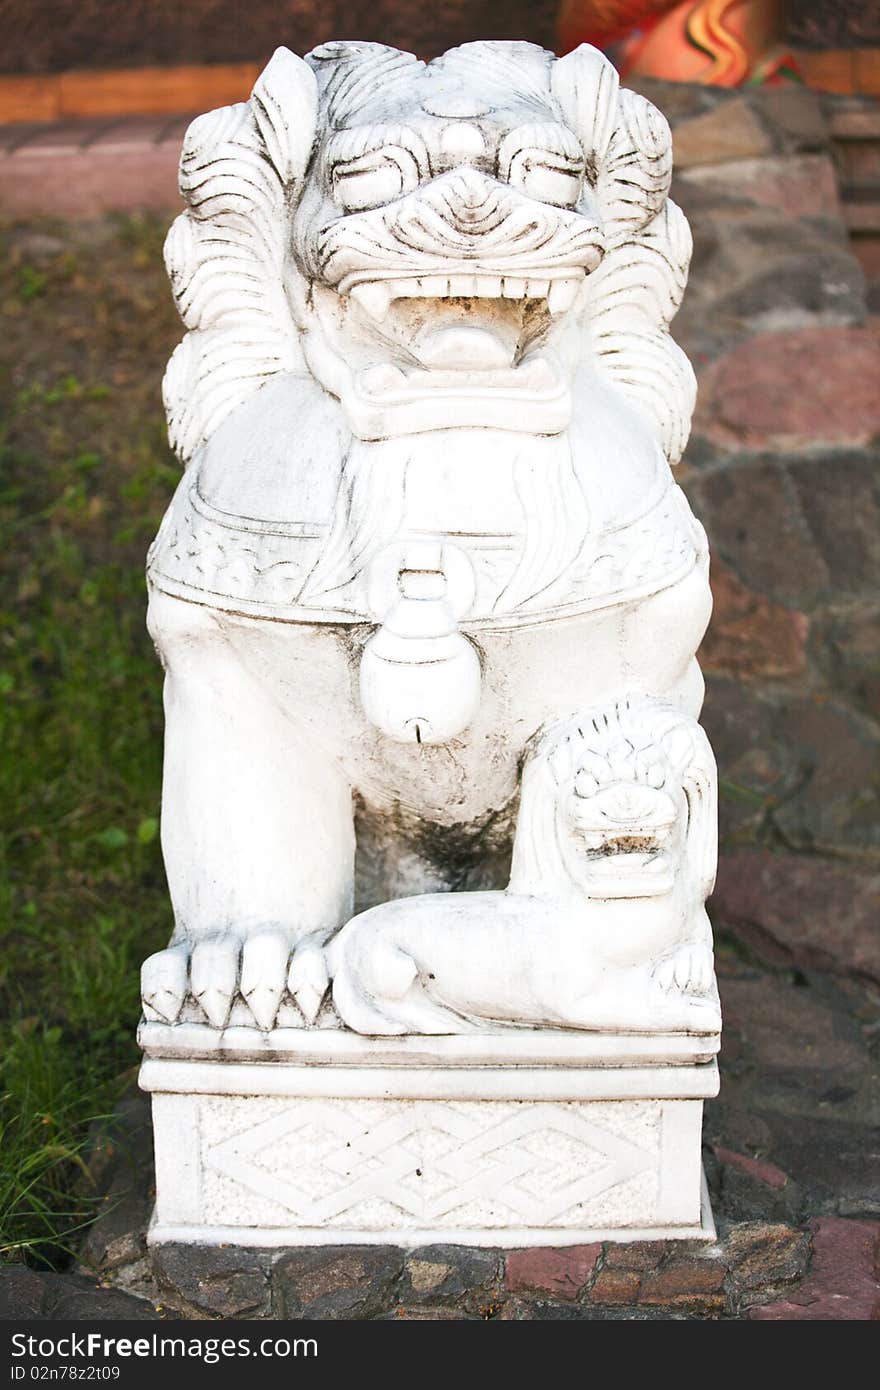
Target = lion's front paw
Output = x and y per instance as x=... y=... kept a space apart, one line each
x=217 y=971
x=690 y=969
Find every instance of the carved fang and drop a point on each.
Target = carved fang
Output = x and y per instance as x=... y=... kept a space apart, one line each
x=561 y=295
x=374 y=297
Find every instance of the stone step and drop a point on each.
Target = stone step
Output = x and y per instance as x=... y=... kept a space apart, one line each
x=86 y=167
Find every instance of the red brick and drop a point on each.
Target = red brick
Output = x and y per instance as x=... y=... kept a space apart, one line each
x=696 y=1284
x=766 y=1173
x=842 y=1284
x=562 y=1271
x=637 y=1254
x=794 y=389
x=616 y=1286
x=834 y=925
x=750 y=635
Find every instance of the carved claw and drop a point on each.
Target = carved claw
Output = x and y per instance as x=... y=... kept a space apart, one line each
x=214 y=977
x=307 y=978
x=264 y=975
x=690 y=969
x=163 y=984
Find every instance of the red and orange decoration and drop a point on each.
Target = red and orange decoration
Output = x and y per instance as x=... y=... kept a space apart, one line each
x=723 y=43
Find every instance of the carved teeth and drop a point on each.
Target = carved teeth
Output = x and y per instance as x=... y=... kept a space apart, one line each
x=562 y=295
x=374 y=296
x=513 y=288
x=487 y=286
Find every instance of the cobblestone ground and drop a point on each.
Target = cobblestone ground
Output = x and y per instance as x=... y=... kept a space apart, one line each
x=782 y=468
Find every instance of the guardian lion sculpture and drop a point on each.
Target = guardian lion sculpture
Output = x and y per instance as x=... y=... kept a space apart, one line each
x=428 y=404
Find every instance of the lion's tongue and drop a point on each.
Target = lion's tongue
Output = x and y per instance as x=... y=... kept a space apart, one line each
x=466 y=348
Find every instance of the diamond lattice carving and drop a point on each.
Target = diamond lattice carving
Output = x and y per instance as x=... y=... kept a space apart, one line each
x=321 y=1159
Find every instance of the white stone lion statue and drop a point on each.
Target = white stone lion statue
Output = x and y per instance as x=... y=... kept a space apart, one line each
x=427 y=404
x=602 y=925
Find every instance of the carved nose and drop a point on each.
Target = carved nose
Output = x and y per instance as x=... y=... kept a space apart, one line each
x=631 y=807
x=472 y=200
x=470 y=187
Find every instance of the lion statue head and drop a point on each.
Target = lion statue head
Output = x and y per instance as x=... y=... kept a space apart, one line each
x=429 y=241
x=619 y=803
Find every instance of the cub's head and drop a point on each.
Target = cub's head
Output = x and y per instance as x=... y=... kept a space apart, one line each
x=619 y=803
x=438 y=243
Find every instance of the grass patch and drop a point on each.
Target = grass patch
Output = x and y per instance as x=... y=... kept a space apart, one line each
x=85 y=474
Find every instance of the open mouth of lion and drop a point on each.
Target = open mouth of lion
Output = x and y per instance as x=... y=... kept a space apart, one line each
x=628 y=866
x=464 y=348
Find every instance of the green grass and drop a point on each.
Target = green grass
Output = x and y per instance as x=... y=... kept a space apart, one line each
x=85 y=474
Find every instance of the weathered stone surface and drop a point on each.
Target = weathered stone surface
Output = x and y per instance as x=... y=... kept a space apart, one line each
x=758 y=529
x=805 y=769
x=616 y=1286
x=27 y=1294
x=842 y=1285
x=750 y=636
x=741 y=1190
x=336 y=1281
x=794 y=116
x=754 y=771
x=121 y=1166
x=794 y=910
x=832 y=1156
x=23 y=1292
x=794 y=390
x=693 y=1283
x=836 y=754
x=787 y=290
x=804 y=186
x=846 y=648
x=634 y=1255
x=222 y=1281
x=799 y=1092
x=544 y=1310
x=77 y=1299
x=560 y=1271
x=839 y=499
x=763 y=1260
x=428 y=1313
x=788 y=1028
x=766 y=1173
x=451 y=1273
x=731 y=131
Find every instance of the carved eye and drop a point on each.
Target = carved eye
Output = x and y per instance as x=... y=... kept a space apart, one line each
x=585 y=784
x=545 y=162
x=375 y=179
x=548 y=183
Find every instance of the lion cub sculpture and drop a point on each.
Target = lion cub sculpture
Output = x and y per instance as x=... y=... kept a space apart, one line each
x=428 y=545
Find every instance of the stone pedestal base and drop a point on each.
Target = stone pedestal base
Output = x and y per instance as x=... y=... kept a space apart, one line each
x=513 y=1139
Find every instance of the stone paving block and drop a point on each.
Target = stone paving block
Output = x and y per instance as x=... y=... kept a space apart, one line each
x=842 y=1285
x=336 y=1281
x=562 y=1271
